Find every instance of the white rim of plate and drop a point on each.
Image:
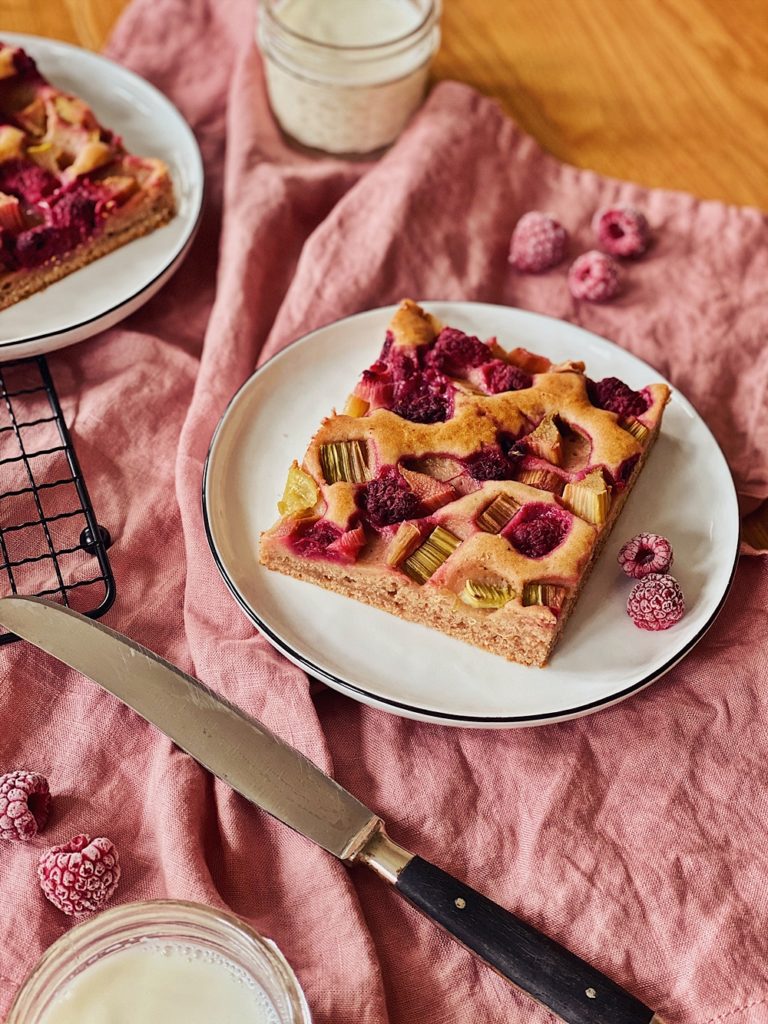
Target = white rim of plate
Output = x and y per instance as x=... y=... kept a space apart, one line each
x=184 y=242
x=413 y=711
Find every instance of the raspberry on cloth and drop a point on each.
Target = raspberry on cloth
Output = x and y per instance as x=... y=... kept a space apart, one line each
x=636 y=837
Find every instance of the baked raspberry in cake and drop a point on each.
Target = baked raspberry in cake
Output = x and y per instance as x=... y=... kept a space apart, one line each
x=465 y=487
x=69 y=191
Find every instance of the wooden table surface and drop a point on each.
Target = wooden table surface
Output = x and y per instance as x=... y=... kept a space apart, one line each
x=670 y=93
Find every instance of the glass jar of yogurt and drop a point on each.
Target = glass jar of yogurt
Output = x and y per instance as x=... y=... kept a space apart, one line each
x=161 y=962
x=344 y=76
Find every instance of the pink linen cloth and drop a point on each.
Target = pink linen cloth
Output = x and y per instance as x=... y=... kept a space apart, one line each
x=637 y=836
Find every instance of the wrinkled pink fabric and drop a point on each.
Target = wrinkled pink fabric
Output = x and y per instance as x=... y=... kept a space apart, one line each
x=637 y=836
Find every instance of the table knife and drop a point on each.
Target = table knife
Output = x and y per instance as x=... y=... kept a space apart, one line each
x=280 y=780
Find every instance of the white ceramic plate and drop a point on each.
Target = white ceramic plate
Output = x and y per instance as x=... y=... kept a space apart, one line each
x=685 y=493
x=106 y=291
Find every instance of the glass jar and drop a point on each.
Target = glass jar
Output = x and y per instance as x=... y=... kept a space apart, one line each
x=163 y=928
x=340 y=97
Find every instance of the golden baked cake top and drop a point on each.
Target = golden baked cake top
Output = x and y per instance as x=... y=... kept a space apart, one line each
x=467 y=467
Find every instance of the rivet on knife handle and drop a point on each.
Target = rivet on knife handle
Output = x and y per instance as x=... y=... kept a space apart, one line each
x=538 y=965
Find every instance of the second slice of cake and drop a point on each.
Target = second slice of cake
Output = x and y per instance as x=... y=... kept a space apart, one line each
x=465 y=487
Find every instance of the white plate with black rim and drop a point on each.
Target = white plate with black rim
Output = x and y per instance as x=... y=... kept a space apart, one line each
x=685 y=493
x=106 y=291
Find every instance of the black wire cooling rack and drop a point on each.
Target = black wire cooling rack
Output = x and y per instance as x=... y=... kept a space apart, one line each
x=50 y=542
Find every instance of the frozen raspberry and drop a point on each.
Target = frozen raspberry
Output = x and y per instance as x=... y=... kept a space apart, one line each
x=621 y=231
x=80 y=876
x=455 y=352
x=489 y=464
x=498 y=376
x=644 y=554
x=25 y=802
x=388 y=500
x=423 y=398
x=26 y=181
x=614 y=395
x=594 y=277
x=313 y=539
x=656 y=602
x=538 y=528
x=538 y=242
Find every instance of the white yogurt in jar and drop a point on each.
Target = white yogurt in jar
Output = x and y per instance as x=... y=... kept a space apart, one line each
x=345 y=75
x=161 y=983
x=350 y=22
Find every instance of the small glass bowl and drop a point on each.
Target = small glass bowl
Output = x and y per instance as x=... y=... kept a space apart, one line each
x=346 y=99
x=160 y=921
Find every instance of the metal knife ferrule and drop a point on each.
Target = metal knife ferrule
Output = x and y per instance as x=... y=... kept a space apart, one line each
x=382 y=855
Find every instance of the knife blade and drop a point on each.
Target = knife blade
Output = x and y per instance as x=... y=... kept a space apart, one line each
x=280 y=780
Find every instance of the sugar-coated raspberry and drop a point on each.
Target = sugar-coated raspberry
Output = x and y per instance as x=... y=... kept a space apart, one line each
x=498 y=376
x=644 y=554
x=594 y=276
x=538 y=528
x=656 y=602
x=538 y=242
x=455 y=352
x=621 y=231
x=490 y=463
x=388 y=500
x=80 y=876
x=614 y=395
x=25 y=803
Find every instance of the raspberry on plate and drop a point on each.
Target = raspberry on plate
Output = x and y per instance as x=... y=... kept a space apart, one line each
x=644 y=554
x=80 y=876
x=594 y=277
x=621 y=231
x=25 y=803
x=538 y=243
x=656 y=602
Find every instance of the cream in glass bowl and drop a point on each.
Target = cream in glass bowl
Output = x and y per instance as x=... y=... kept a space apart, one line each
x=161 y=962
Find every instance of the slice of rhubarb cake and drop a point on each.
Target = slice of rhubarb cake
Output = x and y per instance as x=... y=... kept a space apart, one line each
x=465 y=487
x=69 y=191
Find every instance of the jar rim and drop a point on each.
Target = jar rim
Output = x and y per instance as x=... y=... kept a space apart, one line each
x=268 y=9
x=177 y=912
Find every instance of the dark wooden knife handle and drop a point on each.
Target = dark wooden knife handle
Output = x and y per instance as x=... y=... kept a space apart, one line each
x=563 y=982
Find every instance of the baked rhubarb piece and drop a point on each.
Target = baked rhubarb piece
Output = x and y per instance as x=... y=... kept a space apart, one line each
x=465 y=487
x=69 y=191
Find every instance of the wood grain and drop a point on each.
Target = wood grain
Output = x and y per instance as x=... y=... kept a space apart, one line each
x=665 y=92
x=669 y=93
